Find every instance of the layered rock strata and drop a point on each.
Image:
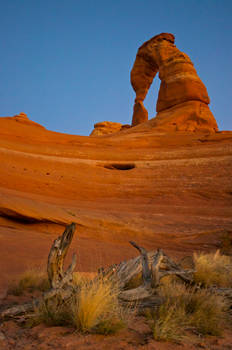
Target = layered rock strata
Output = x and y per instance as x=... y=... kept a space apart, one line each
x=183 y=99
x=162 y=189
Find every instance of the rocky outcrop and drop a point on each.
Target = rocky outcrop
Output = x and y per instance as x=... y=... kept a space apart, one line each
x=104 y=128
x=23 y=118
x=180 y=84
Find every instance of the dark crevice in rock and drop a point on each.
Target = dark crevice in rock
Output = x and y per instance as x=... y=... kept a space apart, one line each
x=14 y=215
x=120 y=166
x=19 y=218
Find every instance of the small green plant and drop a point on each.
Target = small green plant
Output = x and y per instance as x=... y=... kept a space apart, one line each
x=54 y=312
x=213 y=269
x=31 y=280
x=110 y=326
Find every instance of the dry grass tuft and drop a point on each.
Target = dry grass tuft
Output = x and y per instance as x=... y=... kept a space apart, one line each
x=169 y=321
x=79 y=279
x=96 y=306
x=213 y=269
x=206 y=312
x=187 y=307
x=31 y=280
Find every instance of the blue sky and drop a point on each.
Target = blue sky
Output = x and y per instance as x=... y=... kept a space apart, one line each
x=67 y=63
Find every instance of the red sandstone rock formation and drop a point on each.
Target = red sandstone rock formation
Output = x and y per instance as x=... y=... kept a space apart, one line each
x=183 y=99
x=105 y=128
x=167 y=190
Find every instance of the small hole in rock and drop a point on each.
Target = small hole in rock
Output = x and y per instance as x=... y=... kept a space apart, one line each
x=120 y=166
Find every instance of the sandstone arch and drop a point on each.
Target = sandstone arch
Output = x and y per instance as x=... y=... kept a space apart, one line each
x=183 y=99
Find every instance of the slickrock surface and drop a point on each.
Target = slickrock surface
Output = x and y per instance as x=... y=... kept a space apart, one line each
x=183 y=99
x=161 y=189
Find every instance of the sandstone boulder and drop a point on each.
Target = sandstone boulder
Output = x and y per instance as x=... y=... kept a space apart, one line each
x=180 y=84
x=104 y=128
x=21 y=115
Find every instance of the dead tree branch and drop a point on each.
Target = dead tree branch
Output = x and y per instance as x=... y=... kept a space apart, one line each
x=60 y=280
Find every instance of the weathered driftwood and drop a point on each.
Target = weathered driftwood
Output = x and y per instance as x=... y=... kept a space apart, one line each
x=17 y=310
x=153 y=266
x=161 y=264
x=60 y=280
x=56 y=275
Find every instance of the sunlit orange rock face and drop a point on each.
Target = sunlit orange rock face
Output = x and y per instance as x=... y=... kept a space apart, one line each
x=161 y=189
x=181 y=89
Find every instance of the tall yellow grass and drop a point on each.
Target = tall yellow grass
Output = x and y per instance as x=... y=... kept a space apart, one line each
x=96 y=301
x=93 y=308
